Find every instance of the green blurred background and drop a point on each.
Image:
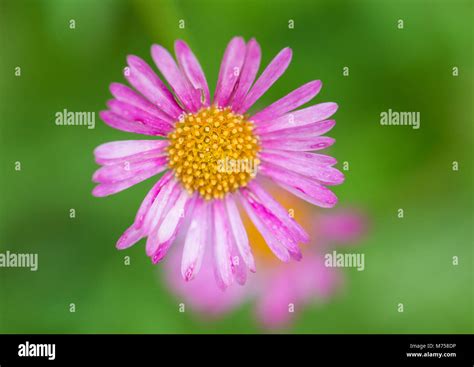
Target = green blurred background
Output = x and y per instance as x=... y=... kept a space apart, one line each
x=408 y=260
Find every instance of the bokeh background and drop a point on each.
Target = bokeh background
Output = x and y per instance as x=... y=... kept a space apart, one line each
x=408 y=260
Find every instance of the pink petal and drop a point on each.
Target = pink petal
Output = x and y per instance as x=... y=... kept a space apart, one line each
x=165 y=233
x=222 y=245
x=193 y=71
x=196 y=240
x=106 y=189
x=230 y=70
x=305 y=157
x=308 y=131
x=296 y=254
x=111 y=151
x=120 y=123
x=144 y=79
x=249 y=72
x=239 y=269
x=288 y=103
x=132 y=113
x=324 y=174
x=239 y=232
x=180 y=85
x=277 y=248
x=303 y=132
x=150 y=199
x=269 y=76
x=303 y=117
x=301 y=144
x=130 y=237
x=125 y=94
x=150 y=154
x=300 y=186
x=168 y=193
x=297 y=231
x=124 y=171
x=280 y=232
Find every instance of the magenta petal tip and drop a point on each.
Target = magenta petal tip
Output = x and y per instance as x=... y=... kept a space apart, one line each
x=189 y=274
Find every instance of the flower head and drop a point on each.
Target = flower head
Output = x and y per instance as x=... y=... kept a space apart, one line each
x=214 y=155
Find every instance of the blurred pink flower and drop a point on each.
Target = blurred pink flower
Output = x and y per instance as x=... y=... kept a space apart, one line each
x=201 y=134
x=277 y=286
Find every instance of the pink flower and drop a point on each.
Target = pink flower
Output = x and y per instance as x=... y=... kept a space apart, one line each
x=214 y=155
x=280 y=290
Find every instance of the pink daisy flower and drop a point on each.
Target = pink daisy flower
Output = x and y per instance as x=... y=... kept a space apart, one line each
x=199 y=138
x=280 y=290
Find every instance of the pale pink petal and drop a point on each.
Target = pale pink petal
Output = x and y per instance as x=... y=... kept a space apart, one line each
x=298 y=118
x=239 y=232
x=230 y=70
x=118 y=150
x=158 y=210
x=132 y=113
x=278 y=229
x=222 y=245
x=283 y=215
x=150 y=199
x=150 y=154
x=135 y=232
x=323 y=173
x=196 y=240
x=165 y=233
x=180 y=85
x=144 y=79
x=120 y=123
x=277 y=248
x=239 y=269
x=288 y=103
x=269 y=76
x=125 y=94
x=249 y=72
x=130 y=237
x=301 y=186
x=311 y=130
x=304 y=157
x=112 y=188
x=193 y=71
x=124 y=171
x=301 y=144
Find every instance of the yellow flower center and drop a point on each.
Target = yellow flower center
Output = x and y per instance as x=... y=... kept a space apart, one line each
x=213 y=152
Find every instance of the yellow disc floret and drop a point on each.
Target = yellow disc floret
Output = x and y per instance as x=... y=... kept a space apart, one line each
x=213 y=151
